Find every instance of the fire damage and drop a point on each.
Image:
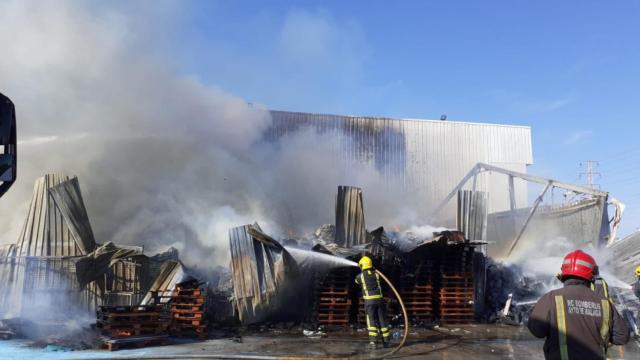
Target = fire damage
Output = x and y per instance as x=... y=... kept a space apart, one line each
x=60 y=287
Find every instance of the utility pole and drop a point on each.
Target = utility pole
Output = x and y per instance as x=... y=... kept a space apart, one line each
x=590 y=174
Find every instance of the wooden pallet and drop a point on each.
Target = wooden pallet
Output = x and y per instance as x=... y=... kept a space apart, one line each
x=187 y=313
x=135 y=342
x=332 y=298
x=122 y=322
x=127 y=333
x=188 y=316
x=187 y=292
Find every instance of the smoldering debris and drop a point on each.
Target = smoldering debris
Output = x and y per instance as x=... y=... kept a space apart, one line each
x=325 y=234
x=509 y=280
x=72 y=334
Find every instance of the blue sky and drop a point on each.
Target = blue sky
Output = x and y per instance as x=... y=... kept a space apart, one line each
x=568 y=69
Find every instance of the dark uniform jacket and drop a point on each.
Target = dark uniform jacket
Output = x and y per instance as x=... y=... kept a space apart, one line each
x=577 y=323
x=371 y=289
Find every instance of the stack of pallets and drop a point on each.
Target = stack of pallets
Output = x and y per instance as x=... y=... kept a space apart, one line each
x=417 y=288
x=187 y=313
x=333 y=298
x=131 y=326
x=456 y=285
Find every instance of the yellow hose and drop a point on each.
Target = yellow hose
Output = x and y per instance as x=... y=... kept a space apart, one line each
x=404 y=315
x=262 y=357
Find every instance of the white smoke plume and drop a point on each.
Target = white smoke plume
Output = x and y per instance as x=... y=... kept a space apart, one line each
x=163 y=159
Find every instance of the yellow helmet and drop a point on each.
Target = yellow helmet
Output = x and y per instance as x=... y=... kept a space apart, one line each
x=638 y=271
x=365 y=263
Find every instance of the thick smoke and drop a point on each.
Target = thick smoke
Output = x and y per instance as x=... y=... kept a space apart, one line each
x=163 y=159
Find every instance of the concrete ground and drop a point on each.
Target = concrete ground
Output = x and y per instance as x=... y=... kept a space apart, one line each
x=463 y=343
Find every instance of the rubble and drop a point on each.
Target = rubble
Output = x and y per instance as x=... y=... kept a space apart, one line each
x=504 y=281
x=443 y=277
x=325 y=234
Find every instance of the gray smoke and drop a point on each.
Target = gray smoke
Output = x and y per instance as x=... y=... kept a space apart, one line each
x=163 y=159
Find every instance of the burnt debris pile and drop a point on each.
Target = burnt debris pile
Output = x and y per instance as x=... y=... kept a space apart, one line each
x=434 y=272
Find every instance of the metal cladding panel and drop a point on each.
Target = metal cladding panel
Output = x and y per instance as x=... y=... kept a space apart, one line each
x=57 y=223
x=472 y=214
x=427 y=157
x=350 y=225
x=259 y=269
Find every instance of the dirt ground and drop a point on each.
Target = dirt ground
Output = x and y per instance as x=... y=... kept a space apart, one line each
x=452 y=343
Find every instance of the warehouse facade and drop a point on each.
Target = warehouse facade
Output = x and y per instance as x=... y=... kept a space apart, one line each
x=425 y=157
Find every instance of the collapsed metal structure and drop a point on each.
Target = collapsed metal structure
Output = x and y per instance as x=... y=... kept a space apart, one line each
x=584 y=221
x=435 y=276
x=441 y=279
x=57 y=260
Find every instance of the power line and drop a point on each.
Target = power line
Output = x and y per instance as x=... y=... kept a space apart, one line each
x=590 y=174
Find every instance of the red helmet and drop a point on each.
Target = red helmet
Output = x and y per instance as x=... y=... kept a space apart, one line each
x=578 y=263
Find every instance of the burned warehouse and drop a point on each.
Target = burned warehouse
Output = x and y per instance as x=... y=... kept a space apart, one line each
x=477 y=207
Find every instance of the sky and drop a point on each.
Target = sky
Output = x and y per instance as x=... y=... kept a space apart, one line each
x=566 y=69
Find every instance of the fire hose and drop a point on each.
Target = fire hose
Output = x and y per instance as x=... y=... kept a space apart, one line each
x=262 y=357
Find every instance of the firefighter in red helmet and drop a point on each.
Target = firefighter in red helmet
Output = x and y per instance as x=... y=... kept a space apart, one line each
x=577 y=322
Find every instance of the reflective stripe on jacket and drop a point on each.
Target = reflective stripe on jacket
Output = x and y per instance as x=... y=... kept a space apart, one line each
x=601 y=287
x=370 y=282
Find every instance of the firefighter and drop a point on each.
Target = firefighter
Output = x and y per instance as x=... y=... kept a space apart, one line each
x=599 y=285
x=577 y=322
x=374 y=303
x=636 y=285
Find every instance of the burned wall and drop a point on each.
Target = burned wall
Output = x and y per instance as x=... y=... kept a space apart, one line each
x=424 y=158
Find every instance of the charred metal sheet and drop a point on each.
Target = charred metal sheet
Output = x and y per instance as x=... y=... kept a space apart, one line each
x=472 y=214
x=8 y=144
x=57 y=223
x=350 y=226
x=93 y=266
x=68 y=199
x=335 y=250
x=171 y=273
x=259 y=269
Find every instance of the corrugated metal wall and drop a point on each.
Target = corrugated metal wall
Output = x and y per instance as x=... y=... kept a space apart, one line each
x=42 y=261
x=350 y=220
x=45 y=231
x=425 y=156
